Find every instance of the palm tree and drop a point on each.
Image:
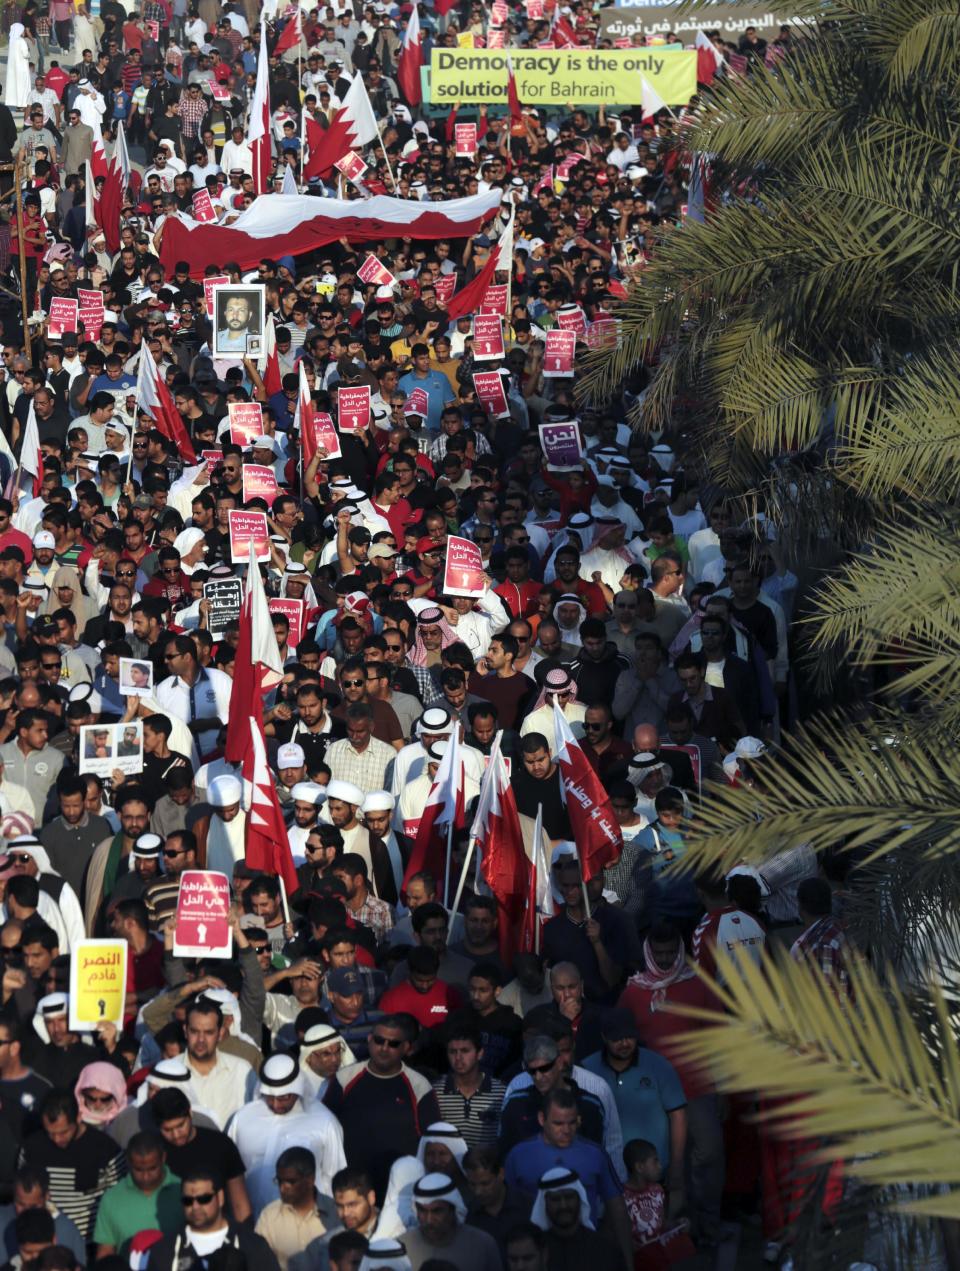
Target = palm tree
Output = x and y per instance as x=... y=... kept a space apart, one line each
x=810 y=325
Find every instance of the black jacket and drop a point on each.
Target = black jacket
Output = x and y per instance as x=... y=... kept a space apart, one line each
x=174 y=1253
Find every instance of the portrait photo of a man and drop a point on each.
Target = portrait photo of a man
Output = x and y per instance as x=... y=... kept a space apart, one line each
x=239 y=315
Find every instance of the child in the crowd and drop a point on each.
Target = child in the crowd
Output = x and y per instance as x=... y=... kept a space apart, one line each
x=673 y=896
x=655 y=1245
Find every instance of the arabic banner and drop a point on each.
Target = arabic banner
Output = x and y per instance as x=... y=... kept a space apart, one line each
x=246 y=528
x=225 y=596
x=578 y=77
x=295 y=612
x=98 y=983
x=463 y=573
x=203 y=916
x=731 y=20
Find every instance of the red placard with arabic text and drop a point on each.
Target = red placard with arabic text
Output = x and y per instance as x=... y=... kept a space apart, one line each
x=373 y=271
x=91 y=312
x=487 y=337
x=353 y=408
x=463 y=572
x=202 y=927
x=351 y=165
x=246 y=422
x=295 y=612
x=558 y=354
x=445 y=286
x=572 y=319
x=488 y=386
x=259 y=482
x=203 y=209
x=465 y=136
x=219 y=280
x=325 y=435
x=63 y=316
x=246 y=528
x=495 y=299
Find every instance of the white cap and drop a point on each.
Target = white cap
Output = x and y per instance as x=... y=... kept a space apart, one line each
x=384 y=292
x=224 y=791
x=290 y=756
x=749 y=748
x=378 y=801
x=308 y=792
x=346 y=791
x=263 y=443
x=43 y=538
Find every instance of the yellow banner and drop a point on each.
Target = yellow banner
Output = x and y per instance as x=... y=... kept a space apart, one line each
x=558 y=77
x=98 y=983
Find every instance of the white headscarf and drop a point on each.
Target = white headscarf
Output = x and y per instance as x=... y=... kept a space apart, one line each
x=439 y=1187
x=16 y=88
x=559 y=1179
x=447 y=1134
x=385 y=1255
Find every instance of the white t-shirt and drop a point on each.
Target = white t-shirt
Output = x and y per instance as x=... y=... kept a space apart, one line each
x=204 y=1243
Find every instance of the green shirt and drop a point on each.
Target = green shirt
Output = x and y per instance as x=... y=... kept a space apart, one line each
x=125 y=1210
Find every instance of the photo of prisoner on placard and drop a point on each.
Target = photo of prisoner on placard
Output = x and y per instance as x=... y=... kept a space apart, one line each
x=239 y=316
x=136 y=676
x=107 y=748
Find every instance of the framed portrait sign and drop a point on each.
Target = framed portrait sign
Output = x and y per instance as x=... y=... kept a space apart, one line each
x=239 y=318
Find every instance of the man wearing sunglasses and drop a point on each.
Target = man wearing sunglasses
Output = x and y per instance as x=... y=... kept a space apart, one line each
x=206 y=1228
x=382 y=1103
x=523 y=1105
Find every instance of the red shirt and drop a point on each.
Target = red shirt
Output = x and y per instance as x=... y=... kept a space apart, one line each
x=428 y=1009
x=659 y=1028
x=398 y=517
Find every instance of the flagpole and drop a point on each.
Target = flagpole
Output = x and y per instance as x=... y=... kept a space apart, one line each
x=393 y=179
x=537 y=857
x=446 y=880
x=463 y=873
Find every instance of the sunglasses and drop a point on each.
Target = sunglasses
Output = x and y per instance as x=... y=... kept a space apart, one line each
x=174 y=851
x=352 y=683
x=393 y=1043
x=204 y=1198
x=536 y=1069
x=97 y=1100
x=20 y=858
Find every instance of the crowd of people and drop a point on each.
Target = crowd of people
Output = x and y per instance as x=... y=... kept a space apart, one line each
x=372 y=1077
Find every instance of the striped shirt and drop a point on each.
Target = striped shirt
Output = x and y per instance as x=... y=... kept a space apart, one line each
x=476 y=1118
x=79 y=1174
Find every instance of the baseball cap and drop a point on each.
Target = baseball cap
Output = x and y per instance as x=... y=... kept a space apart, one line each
x=427 y=545
x=43 y=538
x=381 y=551
x=290 y=756
x=344 y=982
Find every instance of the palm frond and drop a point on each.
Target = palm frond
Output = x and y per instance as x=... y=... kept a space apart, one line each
x=838 y=784
x=857 y=1074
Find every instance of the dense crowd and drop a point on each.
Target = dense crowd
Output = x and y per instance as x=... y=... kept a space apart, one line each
x=370 y=1077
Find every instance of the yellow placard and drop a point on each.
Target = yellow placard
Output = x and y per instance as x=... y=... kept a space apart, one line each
x=98 y=983
x=556 y=77
x=465 y=39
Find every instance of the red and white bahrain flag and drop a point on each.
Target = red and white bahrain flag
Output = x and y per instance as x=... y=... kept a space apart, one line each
x=596 y=832
x=266 y=844
x=445 y=806
x=503 y=861
x=352 y=127
x=288 y=225
x=258 y=666
x=410 y=61
x=154 y=397
x=259 y=131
